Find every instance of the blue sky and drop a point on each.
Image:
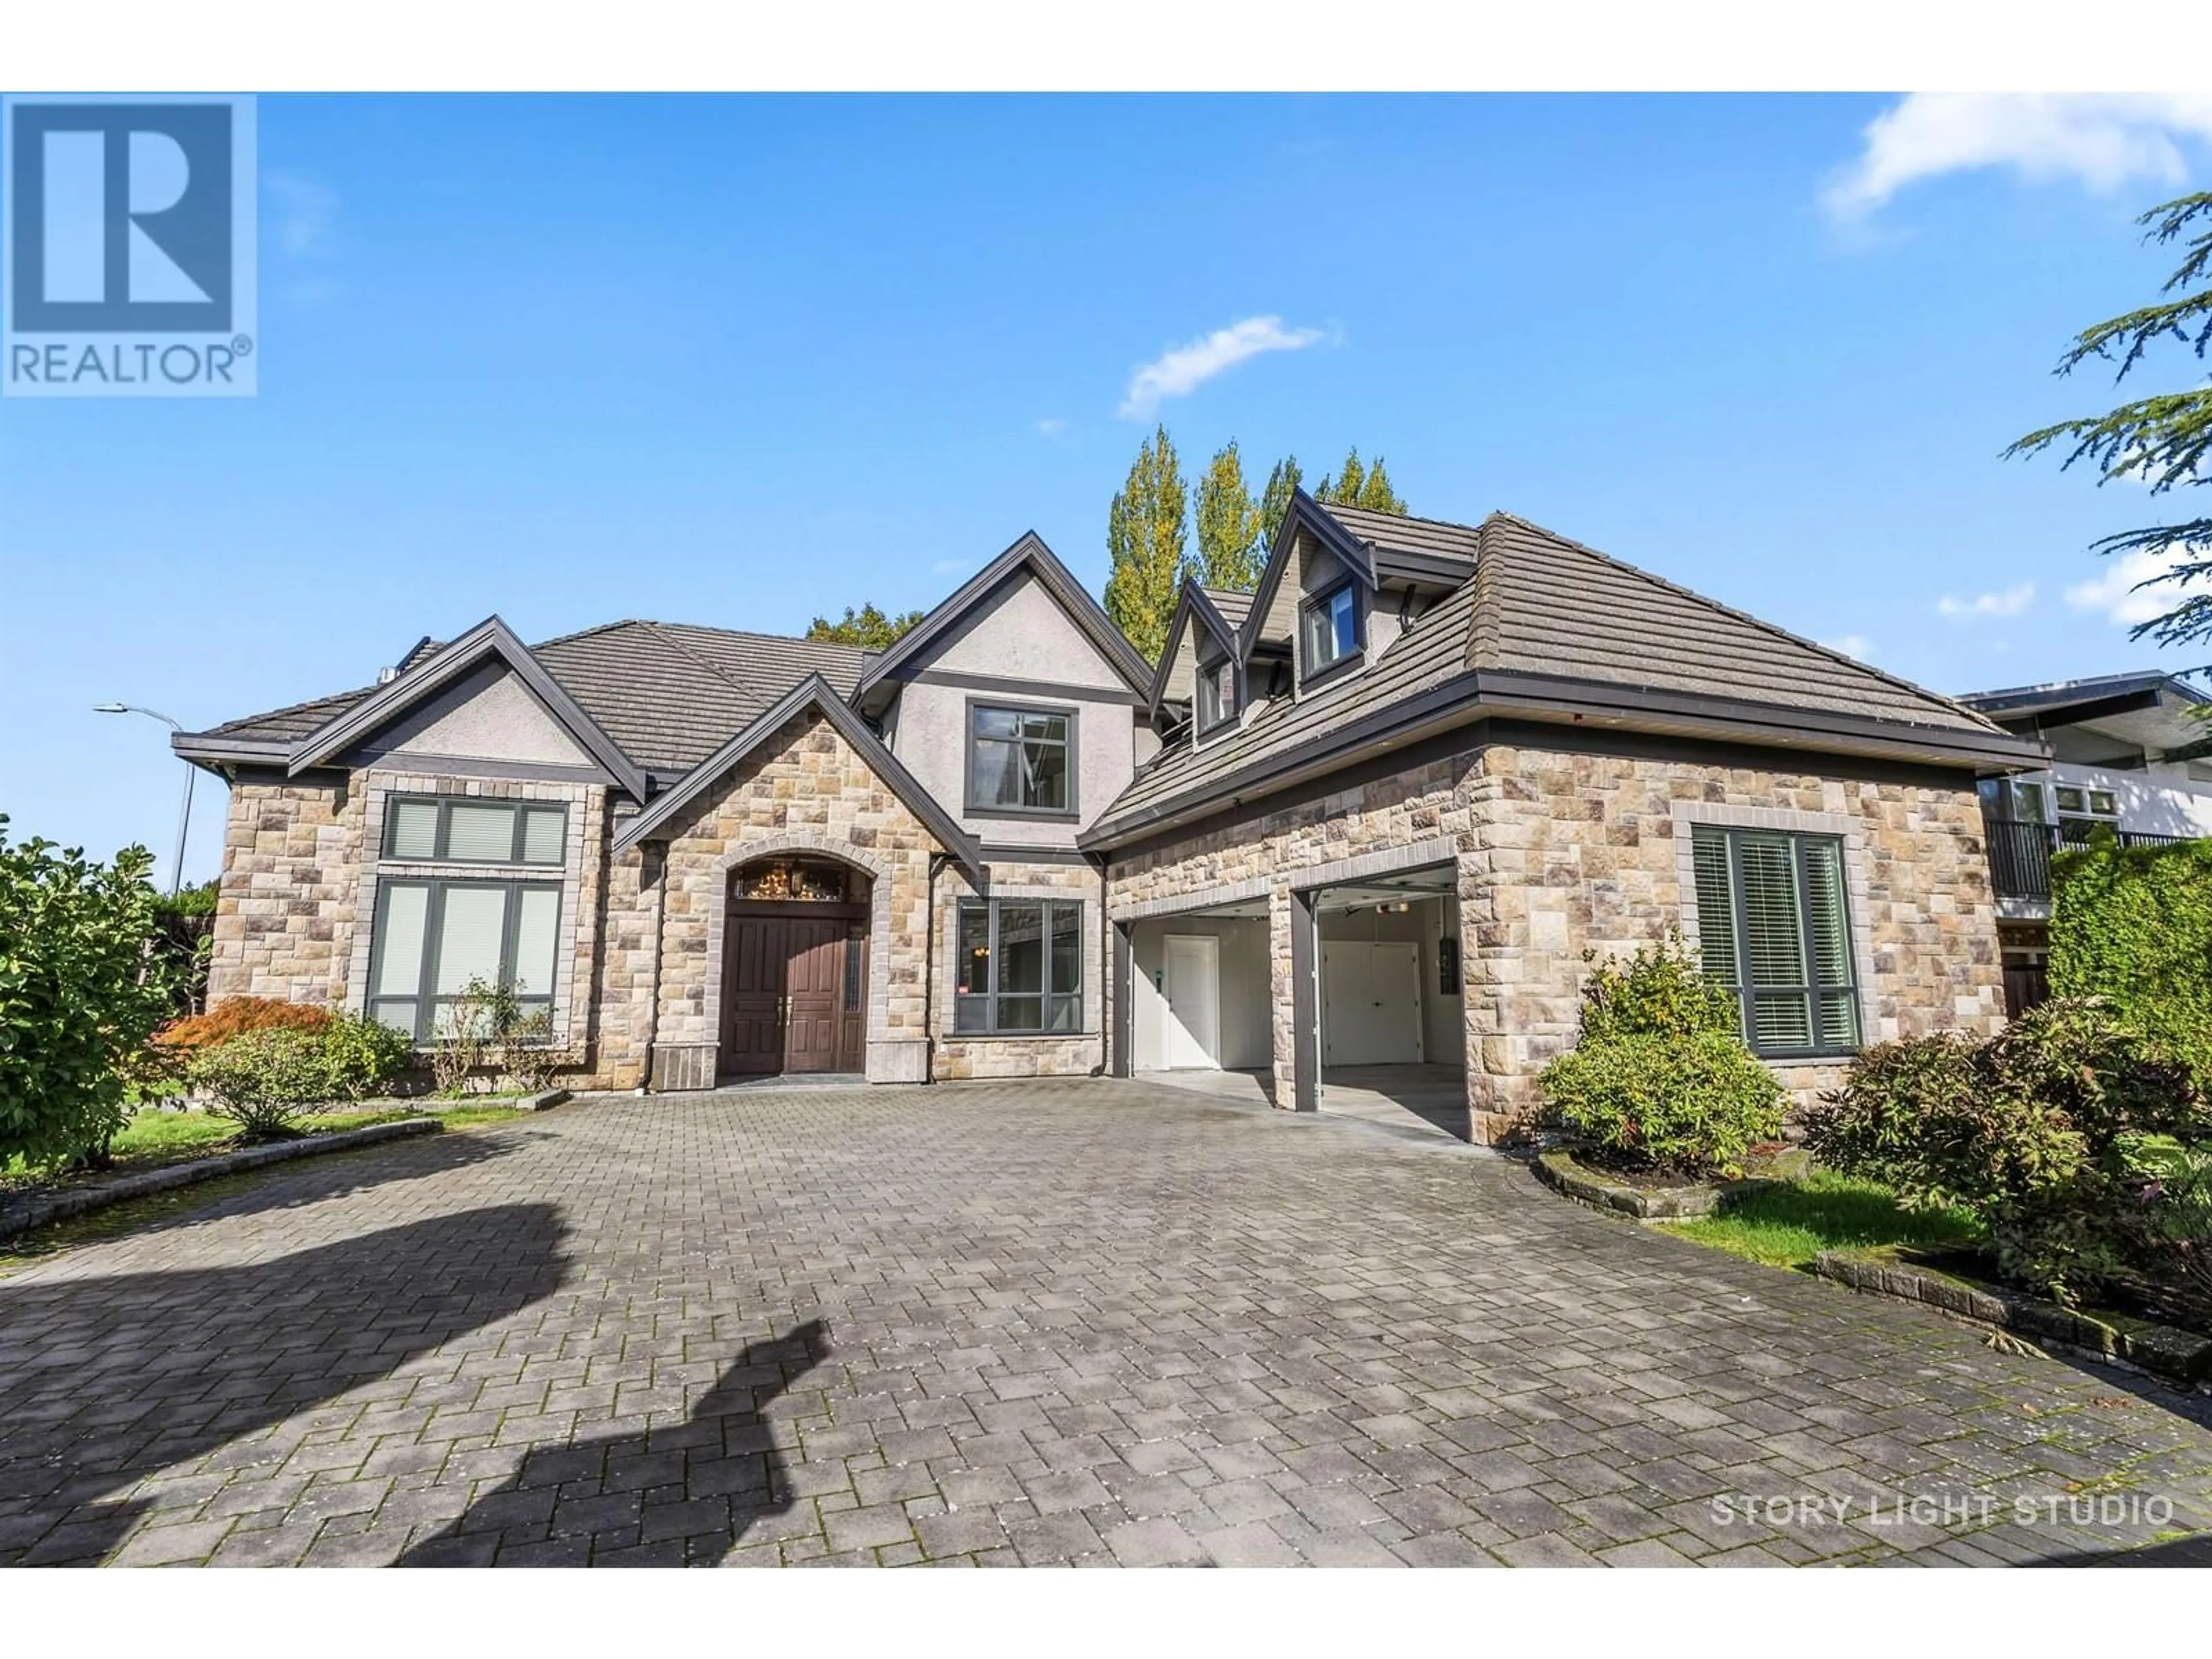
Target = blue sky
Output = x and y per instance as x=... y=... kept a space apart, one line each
x=737 y=361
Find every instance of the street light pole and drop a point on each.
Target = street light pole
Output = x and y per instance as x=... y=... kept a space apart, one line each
x=184 y=818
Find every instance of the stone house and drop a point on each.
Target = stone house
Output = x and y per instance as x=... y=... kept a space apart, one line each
x=1365 y=821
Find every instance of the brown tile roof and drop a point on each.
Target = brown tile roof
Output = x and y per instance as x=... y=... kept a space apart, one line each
x=1231 y=602
x=1432 y=536
x=292 y=722
x=669 y=693
x=1538 y=603
x=1549 y=605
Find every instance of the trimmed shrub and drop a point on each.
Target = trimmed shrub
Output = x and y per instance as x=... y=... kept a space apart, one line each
x=1695 y=1104
x=263 y=1078
x=364 y=1056
x=1661 y=1074
x=1660 y=991
x=80 y=996
x=2037 y=1133
x=2133 y=925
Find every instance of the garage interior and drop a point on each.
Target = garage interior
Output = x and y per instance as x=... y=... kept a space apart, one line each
x=1389 y=1037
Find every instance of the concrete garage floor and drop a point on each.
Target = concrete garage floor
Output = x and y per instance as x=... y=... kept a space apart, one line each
x=1021 y=1324
x=1429 y=1099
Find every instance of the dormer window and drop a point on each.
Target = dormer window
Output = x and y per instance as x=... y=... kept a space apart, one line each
x=1217 y=695
x=1329 y=629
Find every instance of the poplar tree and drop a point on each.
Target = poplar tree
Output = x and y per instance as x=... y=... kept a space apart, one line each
x=1144 y=539
x=1230 y=545
x=2161 y=440
x=1283 y=479
x=1356 y=485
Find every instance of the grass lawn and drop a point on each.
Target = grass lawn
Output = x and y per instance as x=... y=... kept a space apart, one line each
x=1788 y=1223
x=154 y=1138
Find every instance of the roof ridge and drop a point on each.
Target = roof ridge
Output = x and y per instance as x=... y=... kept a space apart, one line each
x=1729 y=611
x=659 y=630
x=755 y=634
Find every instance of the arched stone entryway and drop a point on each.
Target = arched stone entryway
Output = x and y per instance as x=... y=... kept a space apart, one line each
x=796 y=946
x=794 y=967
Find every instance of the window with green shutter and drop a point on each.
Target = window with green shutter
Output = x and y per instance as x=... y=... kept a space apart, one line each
x=1774 y=928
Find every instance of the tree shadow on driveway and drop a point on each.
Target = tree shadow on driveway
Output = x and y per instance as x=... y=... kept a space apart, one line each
x=106 y=1380
x=675 y=1496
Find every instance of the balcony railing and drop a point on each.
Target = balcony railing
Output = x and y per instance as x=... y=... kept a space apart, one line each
x=2020 y=853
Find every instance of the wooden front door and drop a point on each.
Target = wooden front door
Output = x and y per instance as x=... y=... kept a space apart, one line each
x=814 y=986
x=794 y=989
x=753 y=994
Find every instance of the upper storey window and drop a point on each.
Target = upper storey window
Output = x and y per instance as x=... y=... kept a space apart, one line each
x=1329 y=629
x=1021 y=761
x=443 y=829
x=1217 y=695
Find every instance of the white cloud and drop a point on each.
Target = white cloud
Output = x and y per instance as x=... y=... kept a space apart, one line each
x=1052 y=428
x=1852 y=645
x=2119 y=595
x=306 y=220
x=2104 y=140
x=2009 y=603
x=1187 y=367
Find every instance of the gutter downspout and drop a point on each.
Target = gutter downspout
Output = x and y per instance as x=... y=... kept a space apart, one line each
x=653 y=994
x=1107 y=1013
x=937 y=862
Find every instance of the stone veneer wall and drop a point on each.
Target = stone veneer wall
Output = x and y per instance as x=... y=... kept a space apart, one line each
x=1264 y=854
x=809 y=791
x=1560 y=852
x=581 y=873
x=285 y=912
x=1578 y=851
x=628 y=935
x=296 y=883
x=959 y=1055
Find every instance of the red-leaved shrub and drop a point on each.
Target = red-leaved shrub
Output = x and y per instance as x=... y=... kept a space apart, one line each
x=234 y=1017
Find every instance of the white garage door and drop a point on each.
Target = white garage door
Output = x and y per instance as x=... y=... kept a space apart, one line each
x=1371 y=1003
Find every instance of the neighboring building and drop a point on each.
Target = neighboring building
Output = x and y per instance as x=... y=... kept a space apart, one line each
x=1373 y=815
x=2129 y=752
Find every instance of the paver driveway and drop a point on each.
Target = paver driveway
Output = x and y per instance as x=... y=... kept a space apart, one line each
x=1020 y=1322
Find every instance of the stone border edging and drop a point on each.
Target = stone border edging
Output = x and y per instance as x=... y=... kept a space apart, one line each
x=38 y=1212
x=2177 y=1355
x=1558 y=1170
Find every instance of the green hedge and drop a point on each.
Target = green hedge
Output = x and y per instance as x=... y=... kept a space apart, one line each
x=2134 y=925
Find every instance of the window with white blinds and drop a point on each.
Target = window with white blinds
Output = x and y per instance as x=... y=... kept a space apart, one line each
x=447 y=830
x=433 y=938
x=1774 y=928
